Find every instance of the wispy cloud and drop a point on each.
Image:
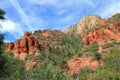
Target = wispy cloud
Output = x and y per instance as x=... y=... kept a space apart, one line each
x=110 y=9
x=89 y=2
x=22 y=14
x=44 y=2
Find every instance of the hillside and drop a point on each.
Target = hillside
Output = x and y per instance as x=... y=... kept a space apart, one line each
x=88 y=50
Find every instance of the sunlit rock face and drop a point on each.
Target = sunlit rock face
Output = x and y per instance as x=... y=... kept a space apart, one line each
x=87 y=23
x=26 y=45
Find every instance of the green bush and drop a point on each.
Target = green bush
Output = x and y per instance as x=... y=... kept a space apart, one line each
x=97 y=56
x=46 y=72
x=13 y=68
x=108 y=45
x=83 y=74
x=110 y=70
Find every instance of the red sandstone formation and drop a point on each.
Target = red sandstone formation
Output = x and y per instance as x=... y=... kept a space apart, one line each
x=102 y=36
x=75 y=64
x=30 y=45
x=30 y=64
x=26 y=45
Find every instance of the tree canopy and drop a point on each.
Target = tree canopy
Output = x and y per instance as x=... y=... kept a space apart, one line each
x=2 y=13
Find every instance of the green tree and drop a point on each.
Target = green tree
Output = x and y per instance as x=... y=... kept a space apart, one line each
x=2 y=13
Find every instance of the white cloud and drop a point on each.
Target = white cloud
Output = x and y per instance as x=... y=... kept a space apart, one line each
x=8 y=25
x=61 y=3
x=55 y=14
x=61 y=12
x=11 y=27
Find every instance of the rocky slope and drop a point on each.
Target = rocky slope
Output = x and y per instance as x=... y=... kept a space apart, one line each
x=90 y=28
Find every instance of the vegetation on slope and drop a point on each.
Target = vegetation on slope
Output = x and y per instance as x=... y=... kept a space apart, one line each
x=52 y=64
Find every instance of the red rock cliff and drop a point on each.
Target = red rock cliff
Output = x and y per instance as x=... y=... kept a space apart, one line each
x=26 y=45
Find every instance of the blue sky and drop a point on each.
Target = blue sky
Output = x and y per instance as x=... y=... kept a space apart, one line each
x=30 y=15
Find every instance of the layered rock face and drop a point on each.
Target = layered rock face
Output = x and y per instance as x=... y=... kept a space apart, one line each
x=103 y=36
x=109 y=32
x=26 y=45
x=85 y=24
x=31 y=43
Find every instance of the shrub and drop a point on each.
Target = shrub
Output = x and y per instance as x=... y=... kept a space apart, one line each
x=97 y=56
x=110 y=70
x=13 y=68
x=83 y=74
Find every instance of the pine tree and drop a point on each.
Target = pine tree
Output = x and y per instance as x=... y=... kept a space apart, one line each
x=2 y=13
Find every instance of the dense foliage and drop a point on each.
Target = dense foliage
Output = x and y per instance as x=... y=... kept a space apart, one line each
x=1 y=44
x=111 y=69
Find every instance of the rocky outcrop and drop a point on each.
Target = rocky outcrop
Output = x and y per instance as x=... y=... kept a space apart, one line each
x=93 y=28
x=74 y=65
x=103 y=36
x=26 y=45
x=31 y=43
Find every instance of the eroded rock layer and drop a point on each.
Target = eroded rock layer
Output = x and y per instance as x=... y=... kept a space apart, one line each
x=33 y=43
x=26 y=45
